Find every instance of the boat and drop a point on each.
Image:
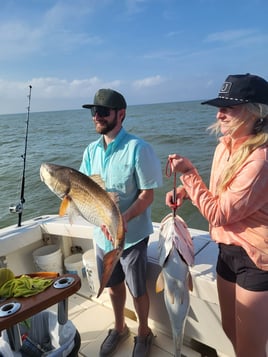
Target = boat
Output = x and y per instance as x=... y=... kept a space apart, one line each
x=203 y=335
x=92 y=316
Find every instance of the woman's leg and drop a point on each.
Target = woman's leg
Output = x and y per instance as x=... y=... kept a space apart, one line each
x=251 y=323
x=226 y=293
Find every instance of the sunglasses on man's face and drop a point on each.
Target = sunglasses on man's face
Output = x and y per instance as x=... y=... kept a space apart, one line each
x=101 y=111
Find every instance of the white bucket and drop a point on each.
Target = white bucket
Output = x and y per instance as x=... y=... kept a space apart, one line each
x=48 y=258
x=74 y=265
x=89 y=261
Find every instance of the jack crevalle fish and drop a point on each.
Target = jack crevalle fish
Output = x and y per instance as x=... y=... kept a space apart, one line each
x=176 y=254
x=85 y=195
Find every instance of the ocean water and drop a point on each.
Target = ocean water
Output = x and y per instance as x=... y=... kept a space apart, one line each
x=61 y=137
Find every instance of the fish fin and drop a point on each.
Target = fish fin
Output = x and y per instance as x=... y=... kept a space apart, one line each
x=97 y=179
x=64 y=206
x=109 y=262
x=114 y=196
x=160 y=284
x=190 y=282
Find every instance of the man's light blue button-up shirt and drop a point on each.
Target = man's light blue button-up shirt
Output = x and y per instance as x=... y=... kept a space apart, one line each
x=127 y=166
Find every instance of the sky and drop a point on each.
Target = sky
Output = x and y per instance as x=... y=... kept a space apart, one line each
x=152 y=51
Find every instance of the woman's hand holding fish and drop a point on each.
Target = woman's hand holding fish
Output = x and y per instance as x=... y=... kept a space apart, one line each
x=180 y=164
x=181 y=194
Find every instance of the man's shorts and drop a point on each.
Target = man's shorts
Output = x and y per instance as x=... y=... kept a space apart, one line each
x=132 y=268
x=235 y=265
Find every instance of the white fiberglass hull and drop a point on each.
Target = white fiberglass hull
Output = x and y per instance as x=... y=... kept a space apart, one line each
x=203 y=321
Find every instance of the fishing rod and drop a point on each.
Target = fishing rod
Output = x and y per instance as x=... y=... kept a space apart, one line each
x=18 y=208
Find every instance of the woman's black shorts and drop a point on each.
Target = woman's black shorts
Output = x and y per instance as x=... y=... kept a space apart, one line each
x=234 y=265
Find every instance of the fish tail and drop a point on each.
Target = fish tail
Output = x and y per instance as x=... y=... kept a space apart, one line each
x=109 y=262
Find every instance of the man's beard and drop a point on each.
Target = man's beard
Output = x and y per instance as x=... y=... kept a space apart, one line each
x=104 y=127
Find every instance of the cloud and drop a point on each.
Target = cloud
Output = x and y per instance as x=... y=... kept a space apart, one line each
x=148 y=82
x=17 y=39
x=51 y=93
x=231 y=35
x=55 y=30
x=174 y=33
x=63 y=12
x=134 y=6
x=52 y=87
x=164 y=55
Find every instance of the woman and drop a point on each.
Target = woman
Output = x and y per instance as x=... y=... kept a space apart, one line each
x=236 y=207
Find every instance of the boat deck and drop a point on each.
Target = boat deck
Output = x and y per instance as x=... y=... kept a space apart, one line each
x=93 y=319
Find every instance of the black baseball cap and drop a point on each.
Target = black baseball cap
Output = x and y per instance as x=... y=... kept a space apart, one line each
x=108 y=98
x=241 y=89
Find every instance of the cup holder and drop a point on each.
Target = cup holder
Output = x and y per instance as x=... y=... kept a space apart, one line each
x=9 y=309
x=63 y=282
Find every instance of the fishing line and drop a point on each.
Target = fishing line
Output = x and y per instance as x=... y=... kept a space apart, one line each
x=168 y=174
x=18 y=208
x=174 y=205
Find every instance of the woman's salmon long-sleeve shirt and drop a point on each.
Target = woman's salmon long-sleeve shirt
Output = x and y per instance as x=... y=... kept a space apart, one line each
x=239 y=216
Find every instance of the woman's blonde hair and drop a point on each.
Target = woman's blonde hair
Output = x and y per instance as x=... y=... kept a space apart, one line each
x=260 y=138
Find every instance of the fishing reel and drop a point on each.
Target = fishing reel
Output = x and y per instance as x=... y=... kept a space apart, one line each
x=16 y=208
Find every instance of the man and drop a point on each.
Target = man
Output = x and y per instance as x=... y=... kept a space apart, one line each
x=129 y=167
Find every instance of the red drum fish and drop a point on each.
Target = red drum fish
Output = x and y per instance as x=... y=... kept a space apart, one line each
x=176 y=254
x=84 y=195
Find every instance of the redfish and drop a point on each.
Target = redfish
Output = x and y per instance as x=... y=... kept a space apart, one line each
x=84 y=195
